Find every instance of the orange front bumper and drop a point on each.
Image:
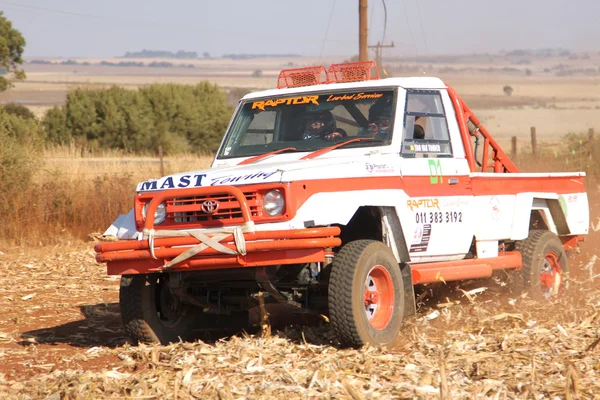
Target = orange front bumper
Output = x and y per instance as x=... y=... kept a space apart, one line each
x=263 y=249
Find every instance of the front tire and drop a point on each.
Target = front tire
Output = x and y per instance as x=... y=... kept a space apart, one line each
x=151 y=313
x=545 y=265
x=366 y=298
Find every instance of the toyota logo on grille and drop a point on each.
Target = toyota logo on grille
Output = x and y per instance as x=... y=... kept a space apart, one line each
x=210 y=206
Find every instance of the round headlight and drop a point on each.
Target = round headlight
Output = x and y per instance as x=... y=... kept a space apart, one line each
x=273 y=203
x=159 y=215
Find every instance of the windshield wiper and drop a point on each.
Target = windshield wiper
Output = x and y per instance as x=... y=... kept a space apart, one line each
x=324 y=150
x=262 y=156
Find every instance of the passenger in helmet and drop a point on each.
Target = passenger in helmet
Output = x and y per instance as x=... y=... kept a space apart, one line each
x=321 y=125
x=380 y=118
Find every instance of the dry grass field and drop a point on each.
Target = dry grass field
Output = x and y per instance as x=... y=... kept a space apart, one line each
x=60 y=331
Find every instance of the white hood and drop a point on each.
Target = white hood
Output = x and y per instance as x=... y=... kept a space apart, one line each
x=281 y=171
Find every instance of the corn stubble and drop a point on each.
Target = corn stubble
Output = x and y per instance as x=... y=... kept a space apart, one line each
x=61 y=336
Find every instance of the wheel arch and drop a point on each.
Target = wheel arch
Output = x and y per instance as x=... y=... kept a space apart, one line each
x=379 y=223
x=538 y=211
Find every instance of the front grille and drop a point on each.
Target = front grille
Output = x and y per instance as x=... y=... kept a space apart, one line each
x=183 y=211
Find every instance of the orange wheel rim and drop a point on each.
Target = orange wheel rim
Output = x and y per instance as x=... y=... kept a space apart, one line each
x=551 y=276
x=379 y=297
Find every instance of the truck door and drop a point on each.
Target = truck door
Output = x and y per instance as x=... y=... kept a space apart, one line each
x=437 y=216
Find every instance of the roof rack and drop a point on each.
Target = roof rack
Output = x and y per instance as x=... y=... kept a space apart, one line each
x=337 y=73
x=352 y=72
x=301 y=77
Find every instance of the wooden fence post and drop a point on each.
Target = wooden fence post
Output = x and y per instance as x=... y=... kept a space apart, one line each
x=162 y=165
x=591 y=140
x=514 y=147
x=533 y=141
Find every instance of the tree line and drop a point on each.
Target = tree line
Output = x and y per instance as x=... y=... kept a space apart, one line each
x=176 y=117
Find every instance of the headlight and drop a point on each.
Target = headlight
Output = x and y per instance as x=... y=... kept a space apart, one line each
x=159 y=215
x=273 y=203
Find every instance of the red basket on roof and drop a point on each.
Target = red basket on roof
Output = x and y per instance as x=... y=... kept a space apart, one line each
x=337 y=73
x=301 y=77
x=352 y=72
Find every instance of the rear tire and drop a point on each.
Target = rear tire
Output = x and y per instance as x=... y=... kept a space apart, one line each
x=545 y=265
x=151 y=313
x=366 y=297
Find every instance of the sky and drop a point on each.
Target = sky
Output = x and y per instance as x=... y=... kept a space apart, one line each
x=108 y=28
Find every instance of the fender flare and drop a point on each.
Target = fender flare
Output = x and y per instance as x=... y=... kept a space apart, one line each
x=549 y=206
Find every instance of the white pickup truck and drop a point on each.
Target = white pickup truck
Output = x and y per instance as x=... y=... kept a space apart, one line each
x=337 y=192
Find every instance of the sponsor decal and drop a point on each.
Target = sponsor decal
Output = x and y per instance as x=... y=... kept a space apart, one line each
x=426 y=147
x=423 y=203
x=353 y=96
x=456 y=202
x=190 y=181
x=372 y=167
x=287 y=101
x=439 y=217
x=421 y=239
x=435 y=172
x=241 y=178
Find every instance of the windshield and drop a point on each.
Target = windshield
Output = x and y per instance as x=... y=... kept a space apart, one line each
x=311 y=122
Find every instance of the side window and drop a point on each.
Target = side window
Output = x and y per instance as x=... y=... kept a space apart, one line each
x=425 y=131
x=261 y=129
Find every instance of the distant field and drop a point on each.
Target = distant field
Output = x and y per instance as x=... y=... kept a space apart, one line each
x=554 y=105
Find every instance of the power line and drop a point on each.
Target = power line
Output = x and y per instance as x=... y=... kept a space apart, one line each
x=412 y=37
x=327 y=30
x=180 y=27
x=60 y=12
x=423 y=30
x=384 y=21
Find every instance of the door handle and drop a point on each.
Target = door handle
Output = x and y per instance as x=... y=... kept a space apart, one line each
x=453 y=181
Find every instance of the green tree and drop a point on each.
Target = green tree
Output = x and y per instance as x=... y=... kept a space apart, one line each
x=20 y=110
x=12 y=45
x=177 y=117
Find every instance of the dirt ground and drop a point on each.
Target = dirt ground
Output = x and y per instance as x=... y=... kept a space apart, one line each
x=61 y=337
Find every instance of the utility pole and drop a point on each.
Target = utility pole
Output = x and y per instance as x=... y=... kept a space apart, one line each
x=363 y=52
x=379 y=58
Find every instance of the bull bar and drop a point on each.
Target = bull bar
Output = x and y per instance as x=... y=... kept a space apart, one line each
x=213 y=248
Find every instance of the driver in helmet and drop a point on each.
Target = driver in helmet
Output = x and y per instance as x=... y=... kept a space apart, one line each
x=321 y=125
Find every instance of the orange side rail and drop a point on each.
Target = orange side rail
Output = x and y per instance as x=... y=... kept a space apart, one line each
x=464 y=269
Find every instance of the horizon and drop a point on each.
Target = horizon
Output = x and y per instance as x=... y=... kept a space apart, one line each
x=71 y=29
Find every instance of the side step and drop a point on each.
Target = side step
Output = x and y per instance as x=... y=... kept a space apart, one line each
x=472 y=268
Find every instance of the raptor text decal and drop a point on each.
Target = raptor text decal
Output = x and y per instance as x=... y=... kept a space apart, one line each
x=423 y=203
x=287 y=101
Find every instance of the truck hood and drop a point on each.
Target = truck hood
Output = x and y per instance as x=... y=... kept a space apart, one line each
x=282 y=171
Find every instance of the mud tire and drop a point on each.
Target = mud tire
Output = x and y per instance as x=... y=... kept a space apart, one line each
x=353 y=267
x=540 y=251
x=141 y=314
